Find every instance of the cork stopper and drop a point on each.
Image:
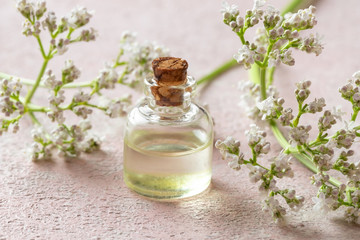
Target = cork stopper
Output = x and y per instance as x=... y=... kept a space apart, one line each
x=170 y=71
x=170 y=75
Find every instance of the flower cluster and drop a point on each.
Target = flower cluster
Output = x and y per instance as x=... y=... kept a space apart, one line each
x=10 y=105
x=138 y=57
x=70 y=140
x=280 y=167
x=272 y=44
x=329 y=151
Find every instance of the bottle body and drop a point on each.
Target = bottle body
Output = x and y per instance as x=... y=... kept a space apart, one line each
x=168 y=155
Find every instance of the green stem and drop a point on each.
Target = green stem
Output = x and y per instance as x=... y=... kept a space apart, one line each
x=217 y=72
x=30 y=82
x=41 y=46
x=270 y=76
x=263 y=83
x=302 y=157
x=34 y=119
x=297 y=119
x=37 y=82
x=354 y=115
x=292 y=6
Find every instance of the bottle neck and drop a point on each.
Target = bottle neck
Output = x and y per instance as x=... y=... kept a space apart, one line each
x=169 y=101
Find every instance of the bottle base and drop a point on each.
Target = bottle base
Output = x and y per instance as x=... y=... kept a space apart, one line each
x=167 y=187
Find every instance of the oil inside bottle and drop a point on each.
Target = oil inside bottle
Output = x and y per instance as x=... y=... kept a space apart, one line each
x=168 y=164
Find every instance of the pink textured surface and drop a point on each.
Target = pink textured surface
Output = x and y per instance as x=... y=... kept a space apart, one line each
x=87 y=199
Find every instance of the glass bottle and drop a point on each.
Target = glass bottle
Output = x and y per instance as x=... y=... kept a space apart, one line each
x=168 y=140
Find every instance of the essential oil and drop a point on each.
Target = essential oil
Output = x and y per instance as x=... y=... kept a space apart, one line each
x=168 y=142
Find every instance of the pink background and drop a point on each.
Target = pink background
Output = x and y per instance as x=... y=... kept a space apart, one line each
x=87 y=199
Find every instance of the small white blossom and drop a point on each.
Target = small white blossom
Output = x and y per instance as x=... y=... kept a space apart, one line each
x=256 y=172
x=286 y=117
x=316 y=106
x=70 y=72
x=270 y=107
x=107 y=78
x=230 y=150
x=88 y=35
x=352 y=214
x=82 y=111
x=282 y=165
x=274 y=58
x=31 y=9
x=286 y=58
x=300 y=134
x=302 y=92
x=303 y=19
x=61 y=45
x=81 y=97
x=319 y=179
x=118 y=108
x=322 y=203
x=79 y=17
x=229 y=11
x=245 y=56
x=272 y=205
x=311 y=44
x=228 y=145
x=326 y=121
x=50 y=22
x=345 y=137
x=49 y=80
x=30 y=29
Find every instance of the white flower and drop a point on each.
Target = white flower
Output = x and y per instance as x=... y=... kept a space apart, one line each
x=317 y=105
x=31 y=9
x=319 y=178
x=229 y=10
x=128 y=37
x=70 y=72
x=49 y=80
x=272 y=205
x=61 y=45
x=322 y=203
x=286 y=117
x=79 y=17
x=286 y=58
x=81 y=97
x=255 y=173
x=30 y=29
x=282 y=166
x=311 y=44
x=270 y=107
x=258 y=4
x=56 y=100
x=345 y=137
x=88 y=35
x=50 y=22
x=108 y=77
x=228 y=145
x=254 y=134
x=256 y=140
x=300 y=134
x=326 y=121
x=245 y=56
x=304 y=18
x=82 y=111
x=352 y=214
x=274 y=58
x=140 y=57
x=118 y=108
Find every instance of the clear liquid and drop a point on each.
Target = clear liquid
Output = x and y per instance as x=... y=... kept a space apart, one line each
x=168 y=165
